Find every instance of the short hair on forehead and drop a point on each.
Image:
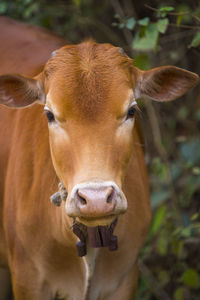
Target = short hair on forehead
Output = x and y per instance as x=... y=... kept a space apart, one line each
x=88 y=54
x=89 y=70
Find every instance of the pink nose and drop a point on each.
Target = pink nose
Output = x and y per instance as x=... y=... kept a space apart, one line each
x=96 y=202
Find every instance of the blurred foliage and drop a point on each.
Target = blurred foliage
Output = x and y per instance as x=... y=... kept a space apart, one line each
x=167 y=32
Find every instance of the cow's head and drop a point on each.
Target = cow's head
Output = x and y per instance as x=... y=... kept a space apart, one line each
x=89 y=94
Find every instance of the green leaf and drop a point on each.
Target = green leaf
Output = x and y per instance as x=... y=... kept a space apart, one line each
x=185 y=12
x=176 y=169
x=144 y=21
x=142 y=61
x=196 y=171
x=159 y=197
x=162 y=244
x=190 y=151
x=183 y=113
x=166 y=8
x=162 y=11
x=30 y=10
x=114 y=24
x=3 y=7
x=163 y=277
x=195 y=41
x=179 y=294
x=148 y=41
x=191 y=278
x=77 y=2
x=197 y=114
x=159 y=169
x=130 y=23
x=158 y=219
x=117 y=16
x=121 y=25
x=179 y=19
x=195 y=216
x=27 y=1
x=177 y=247
x=162 y=25
x=192 y=184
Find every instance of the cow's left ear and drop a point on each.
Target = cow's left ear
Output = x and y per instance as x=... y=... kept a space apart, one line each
x=19 y=91
x=163 y=83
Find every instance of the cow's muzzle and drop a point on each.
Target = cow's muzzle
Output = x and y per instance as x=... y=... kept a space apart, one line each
x=96 y=203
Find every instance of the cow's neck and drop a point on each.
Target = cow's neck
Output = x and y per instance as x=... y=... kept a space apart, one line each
x=89 y=263
x=89 y=260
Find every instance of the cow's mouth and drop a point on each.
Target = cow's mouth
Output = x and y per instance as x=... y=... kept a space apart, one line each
x=95 y=222
x=96 y=237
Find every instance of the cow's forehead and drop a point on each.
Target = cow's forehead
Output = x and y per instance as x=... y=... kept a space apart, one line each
x=88 y=78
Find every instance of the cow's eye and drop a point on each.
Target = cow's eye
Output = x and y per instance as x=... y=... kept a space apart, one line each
x=131 y=112
x=50 y=116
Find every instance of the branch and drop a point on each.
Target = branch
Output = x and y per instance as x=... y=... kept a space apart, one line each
x=184 y=26
x=129 y=9
x=176 y=36
x=101 y=27
x=161 y=150
x=173 y=13
x=118 y=10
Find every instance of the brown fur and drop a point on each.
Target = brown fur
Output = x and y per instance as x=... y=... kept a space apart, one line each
x=36 y=241
x=93 y=70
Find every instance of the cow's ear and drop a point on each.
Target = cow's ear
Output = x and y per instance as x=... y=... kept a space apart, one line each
x=19 y=91
x=163 y=83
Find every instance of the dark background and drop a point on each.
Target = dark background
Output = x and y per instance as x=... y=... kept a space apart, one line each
x=170 y=261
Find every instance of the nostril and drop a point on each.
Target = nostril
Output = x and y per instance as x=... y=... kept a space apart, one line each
x=81 y=198
x=109 y=200
x=110 y=196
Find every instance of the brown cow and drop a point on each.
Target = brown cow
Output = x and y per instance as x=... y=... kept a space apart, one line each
x=88 y=93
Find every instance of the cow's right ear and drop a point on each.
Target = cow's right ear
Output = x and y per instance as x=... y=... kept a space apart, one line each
x=164 y=83
x=19 y=91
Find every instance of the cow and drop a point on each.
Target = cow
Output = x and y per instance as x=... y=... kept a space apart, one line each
x=70 y=117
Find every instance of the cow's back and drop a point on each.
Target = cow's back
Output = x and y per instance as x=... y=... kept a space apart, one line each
x=25 y=49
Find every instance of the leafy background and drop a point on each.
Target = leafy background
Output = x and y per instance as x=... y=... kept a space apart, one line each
x=153 y=33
